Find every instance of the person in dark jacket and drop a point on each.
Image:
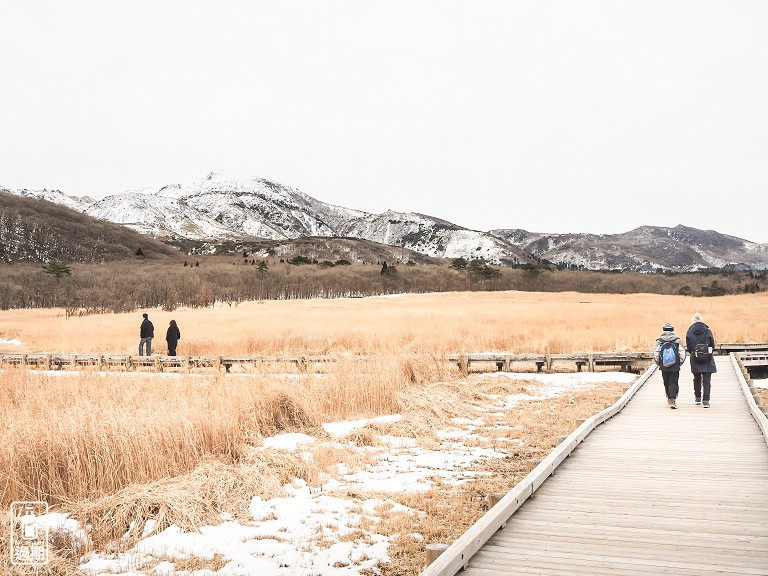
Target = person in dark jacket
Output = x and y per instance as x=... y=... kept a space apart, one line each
x=172 y=336
x=146 y=333
x=670 y=372
x=701 y=368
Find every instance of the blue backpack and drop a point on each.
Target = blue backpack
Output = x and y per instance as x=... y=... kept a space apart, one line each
x=670 y=356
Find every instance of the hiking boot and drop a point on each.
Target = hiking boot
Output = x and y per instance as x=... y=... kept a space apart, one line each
x=672 y=404
x=705 y=403
x=698 y=400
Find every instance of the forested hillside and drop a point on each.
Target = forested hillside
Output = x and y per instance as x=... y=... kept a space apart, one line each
x=33 y=230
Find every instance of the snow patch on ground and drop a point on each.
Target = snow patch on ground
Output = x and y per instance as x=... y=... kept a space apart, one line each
x=312 y=531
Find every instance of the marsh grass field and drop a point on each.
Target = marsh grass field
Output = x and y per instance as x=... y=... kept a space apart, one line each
x=114 y=449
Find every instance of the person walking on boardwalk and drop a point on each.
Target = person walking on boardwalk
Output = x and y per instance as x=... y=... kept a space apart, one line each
x=172 y=336
x=669 y=354
x=700 y=343
x=146 y=333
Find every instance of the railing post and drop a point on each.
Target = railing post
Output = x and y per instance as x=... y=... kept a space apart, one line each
x=433 y=551
x=494 y=499
x=463 y=364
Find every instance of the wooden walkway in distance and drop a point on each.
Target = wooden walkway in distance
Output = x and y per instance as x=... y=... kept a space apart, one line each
x=651 y=491
x=626 y=361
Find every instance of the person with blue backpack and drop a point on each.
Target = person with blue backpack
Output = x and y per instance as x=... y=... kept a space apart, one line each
x=700 y=343
x=669 y=354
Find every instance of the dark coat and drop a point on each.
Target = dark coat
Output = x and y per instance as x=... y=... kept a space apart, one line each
x=700 y=332
x=173 y=334
x=147 y=329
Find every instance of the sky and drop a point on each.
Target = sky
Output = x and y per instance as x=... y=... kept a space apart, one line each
x=551 y=116
x=303 y=531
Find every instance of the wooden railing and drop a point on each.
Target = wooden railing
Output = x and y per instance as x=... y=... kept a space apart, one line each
x=629 y=362
x=457 y=555
x=157 y=362
x=748 y=366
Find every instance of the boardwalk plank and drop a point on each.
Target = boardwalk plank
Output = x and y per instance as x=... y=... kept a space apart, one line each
x=651 y=491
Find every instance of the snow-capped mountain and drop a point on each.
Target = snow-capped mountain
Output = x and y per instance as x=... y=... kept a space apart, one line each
x=57 y=197
x=433 y=237
x=222 y=208
x=219 y=208
x=646 y=248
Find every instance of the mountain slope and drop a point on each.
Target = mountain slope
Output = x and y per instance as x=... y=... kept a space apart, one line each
x=222 y=209
x=219 y=208
x=33 y=230
x=645 y=248
x=433 y=236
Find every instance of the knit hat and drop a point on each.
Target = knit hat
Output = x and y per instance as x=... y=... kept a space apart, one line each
x=696 y=318
x=668 y=327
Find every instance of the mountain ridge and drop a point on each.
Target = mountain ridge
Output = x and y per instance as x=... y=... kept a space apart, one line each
x=220 y=208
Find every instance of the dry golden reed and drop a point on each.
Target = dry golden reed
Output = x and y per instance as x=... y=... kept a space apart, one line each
x=90 y=434
x=70 y=436
x=115 y=447
x=514 y=322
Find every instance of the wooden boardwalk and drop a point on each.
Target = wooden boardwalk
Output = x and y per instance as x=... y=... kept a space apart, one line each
x=651 y=491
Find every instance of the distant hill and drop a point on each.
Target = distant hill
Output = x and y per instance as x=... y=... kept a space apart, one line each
x=643 y=249
x=330 y=249
x=34 y=230
x=219 y=210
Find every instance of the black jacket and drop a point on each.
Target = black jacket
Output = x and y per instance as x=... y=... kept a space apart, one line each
x=700 y=332
x=173 y=334
x=147 y=329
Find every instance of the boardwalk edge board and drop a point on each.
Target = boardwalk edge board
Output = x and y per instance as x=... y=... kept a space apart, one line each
x=754 y=409
x=457 y=555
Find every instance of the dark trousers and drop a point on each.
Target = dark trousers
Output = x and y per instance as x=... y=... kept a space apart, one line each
x=171 y=347
x=671 y=383
x=702 y=380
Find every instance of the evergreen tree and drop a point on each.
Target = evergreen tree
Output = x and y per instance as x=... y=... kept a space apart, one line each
x=57 y=269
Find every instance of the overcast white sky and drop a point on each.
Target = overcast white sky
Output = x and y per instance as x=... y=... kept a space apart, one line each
x=562 y=116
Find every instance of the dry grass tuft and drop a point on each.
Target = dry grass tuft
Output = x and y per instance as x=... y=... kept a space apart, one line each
x=762 y=394
x=361 y=437
x=456 y=322
x=189 y=501
x=284 y=413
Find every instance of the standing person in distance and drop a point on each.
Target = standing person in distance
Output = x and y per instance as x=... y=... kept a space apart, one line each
x=146 y=333
x=172 y=336
x=700 y=343
x=669 y=354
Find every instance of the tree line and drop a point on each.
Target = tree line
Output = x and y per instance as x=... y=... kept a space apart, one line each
x=125 y=286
